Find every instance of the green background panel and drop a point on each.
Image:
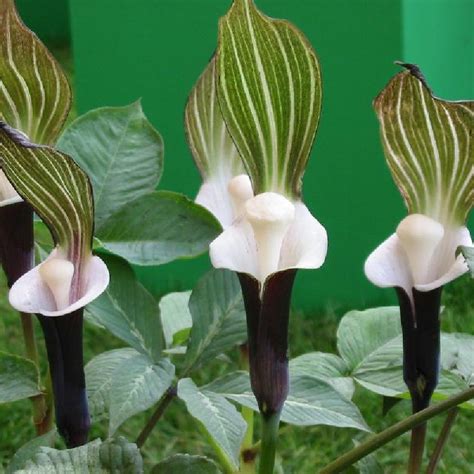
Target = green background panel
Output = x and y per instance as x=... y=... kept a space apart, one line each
x=49 y=19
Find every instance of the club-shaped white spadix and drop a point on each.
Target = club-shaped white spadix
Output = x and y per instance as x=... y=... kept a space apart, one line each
x=240 y=191
x=57 y=274
x=419 y=236
x=270 y=215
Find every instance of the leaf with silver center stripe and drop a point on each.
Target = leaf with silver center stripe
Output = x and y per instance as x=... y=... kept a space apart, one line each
x=34 y=93
x=428 y=146
x=269 y=89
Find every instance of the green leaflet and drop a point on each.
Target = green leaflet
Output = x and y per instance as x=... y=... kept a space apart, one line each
x=428 y=147
x=210 y=143
x=57 y=189
x=269 y=89
x=34 y=93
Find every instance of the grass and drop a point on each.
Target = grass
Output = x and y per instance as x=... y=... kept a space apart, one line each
x=302 y=450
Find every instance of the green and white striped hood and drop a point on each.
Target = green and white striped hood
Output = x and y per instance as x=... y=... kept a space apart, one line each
x=251 y=121
x=429 y=150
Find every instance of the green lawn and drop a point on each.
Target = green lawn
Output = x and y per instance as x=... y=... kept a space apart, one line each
x=303 y=450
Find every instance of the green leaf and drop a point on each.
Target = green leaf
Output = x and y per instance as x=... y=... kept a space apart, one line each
x=176 y=318
x=269 y=89
x=57 y=189
x=328 y=367
x=34 y=93
x=218 y=313
x=111 y=456
x=211 y=145
x=311 y=401
x=137 y=384
x=361 y=333
x=100 y=372
x=428 y=147
x=120 y=151
x=468 y=253
x=19 y=378
x=157 y=228
x=186 y=464
x=128 y=310
x=218 y=416
x=28 y=450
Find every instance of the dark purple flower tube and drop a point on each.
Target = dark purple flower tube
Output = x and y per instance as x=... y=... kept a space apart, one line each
x=267 y=325
x=16 y=240
x=63 y=336
x=421 y=343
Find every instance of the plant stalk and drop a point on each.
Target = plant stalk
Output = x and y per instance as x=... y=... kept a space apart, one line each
x=41 y=419
x=376 y=441
x=270 y=424
x=442 y=440
x=155 y=417
x=417 y=446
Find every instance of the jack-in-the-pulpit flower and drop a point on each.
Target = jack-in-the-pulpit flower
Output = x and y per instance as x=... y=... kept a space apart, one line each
x=429 y=150
x=71 y=277
x=264 y=85
x=35 y=99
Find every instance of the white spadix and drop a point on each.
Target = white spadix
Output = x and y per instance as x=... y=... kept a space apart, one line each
x=57 y=273
x=240 y=191
x=270 y=215
x=419 y=236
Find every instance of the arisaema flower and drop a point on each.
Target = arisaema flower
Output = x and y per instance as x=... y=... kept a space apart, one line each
x=34 y=99
x=428 y=147
x=265 y=86
x=71 y=277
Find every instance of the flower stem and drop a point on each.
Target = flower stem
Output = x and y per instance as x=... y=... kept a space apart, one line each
x=41 y=419
x=417 y=446
x=441 y=442
x=270 y=424
x=155 y=417
x=376 y=441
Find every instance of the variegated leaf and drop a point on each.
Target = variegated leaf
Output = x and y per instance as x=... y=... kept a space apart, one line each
x=428 y=145
x=269 y=89
x=211 y=145
x=57 y=189
x=34 y=93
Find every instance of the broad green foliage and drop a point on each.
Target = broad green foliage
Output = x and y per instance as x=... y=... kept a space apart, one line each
x=269 y=89
x=128 y=310
x=328 y=367
x=115 y=455
x=428 y=146
x=28 y=450
x=186 y=464
x=19 y=378
x=311 y=401
x=100 y=372
x=217 y=309
x=121 y=152
x=211 y=145
x=157 y=228
x=51 y=182
x=34 y=93
x=176 y=318
x=137 y=384
x=218 y=416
